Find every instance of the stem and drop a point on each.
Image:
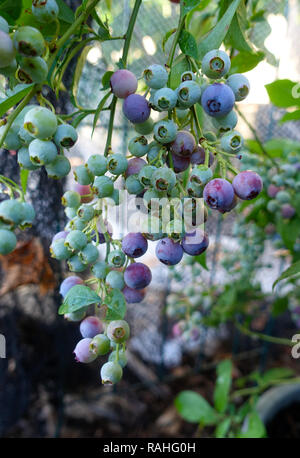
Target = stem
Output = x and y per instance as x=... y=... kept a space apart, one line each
x=198 y=127
x=261 y=336
x=176 y=38
x=258 y=389
x=15 y=113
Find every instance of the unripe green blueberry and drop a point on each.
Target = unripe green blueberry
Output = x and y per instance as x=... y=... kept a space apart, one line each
x=4 y=25
x=12 y=141
x=71 y=199
x=163 y=179
x=28 y=215
x=165 y=99
x=289 y=170
x=165 y=131
x=40 y=123
x=76 y=240
x=122 y=359
x=115 y=279
x=82 y=175
x=188 y=93
x=118 y=331
x=45 y=13
x=138 y=146
x=97 y=164
x=283 y=197
x=42 y=152
x=59 y=250
x=111 y=373
x=225 y=123
x=24 y=136
x=89 y=254
x=77 y=223
x=188 y=76
x=278 y=180
x=103 y=186
x=156 y=76
x=232 y=142
x=240 y=86
x=215 y=64
x=117 y=164
x=194 y=189
x=272 y=206
x=145 y=174
x=75 y=264
x=59 y=168
x=144 y=128
x=29 y=41
x=133 y=185
x=100 y=270
x=65 y=136
x=86 y=212
x=200 y=175
x=9 y=70
x=75 y=316
x=100 y=345
x=7 y=52
x=11 y=212
x=116 y=196
x=32 y=70
x=70 y=212
x=116 y=258
x=8 y=241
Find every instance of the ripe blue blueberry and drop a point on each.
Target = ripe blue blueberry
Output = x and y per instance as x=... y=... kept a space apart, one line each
x=195 y=243
x=287 y=211
x=97 y=164
x=218 y=194
x=59 y=168
x=115 y=279
x=42 y=152
x=68 y=283
x=240 y=86
x=137 y=275
x=111 y=373
x=188 y=93
x=232 y=142
x=123 y=83
x=247 y=185
x=103 y=186
x=134 y=166
x=134 y=244
x=40 y=123
x=138 y=146
x=117 y=164
x=178 y=163
x=156 y=76
x=215 y=64
x=184 y=143
x=133 y=296
x=165 y=99
x=82 y=351
x=136 y=108
x=198 y=156
x=65 y=136
x=169 y=252
x=8 y=241
x=217 y=100
x=90 y=327
x=118 y=331
x=165 y=131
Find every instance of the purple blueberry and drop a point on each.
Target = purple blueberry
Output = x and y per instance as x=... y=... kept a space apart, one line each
x=107 y=227
x=134 y=244
x=247 y=185
x=60 y=235
x=287 y=211
x=231 y=206
x=218 y=194
x=90 y=327
x=68 y=283
x=133 y=296
x=137 y=275
x=184 y=143
x=169 y=252
x=198 y=156
x=84 y=190
x=135 y=165
x=123 y=83
x=217 y=100
x=180 y=164
x=195 y=243
x=272 y=190
x=83 y=353
x=136 y=108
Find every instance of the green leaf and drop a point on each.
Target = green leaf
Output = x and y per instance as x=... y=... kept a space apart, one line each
x=189 y=5
x=106 y=80
x=181 y=64
x=289 y=231
x=277 y=373
x=24 y=174
x=166 y=37
x=99 y=108
x=245 y=61
x=115 y=305
x=65 y=13
x=201 y=259
x=256 y=428
x=10 y=10
x=78 y=297
x=222 y=428
x=279 y=306
x=188 y=45
x=293 y=116
x=223 y=384
x=236 y=36
x=215 y=36
x=78 y=72
x=284 y=93
x=194 y=408
x=293 y=270
x=19 y=94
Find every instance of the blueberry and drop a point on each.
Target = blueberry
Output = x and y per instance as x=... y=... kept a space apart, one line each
x=59 y=168
x=70 y=212
x=65 y=136
x=136 y=108
x=230 y=206
x=287 y=211
x=97 y=164
x=90 y=327
x=152 y=228
x=111 y=373
x=188 y=93
x=144 y=128
x=134 y=166
x=82 y=175
x=32 y=70
x=247 y=185
x=84 y=190
x=165 y=99
x=11 y=212
x=122 y=359
x=89 y=254
x=71 y=199
x=184 y=144
x=163 y=179
x=240 y=86
x=115 y=279
x=232 y=142
x=215 y=64
x=24 y=136
x=175 y=229
x=225 y=123
x=59 y=250
x=200 y=175
x=133 y=296
x=283 y=197
x=24 y=159
x=118 y=331
x=103 y=186
x=218 y=193
x=75 y=316
x=7 y=52
x=138 y=146
x=137 y=276
x=28 y=213
x=156 y=76
x=100 y=270
x=46 y=12
x=82 y=351
x=42 y=152
x=29 y=41
x=76 y=240
x=134 y=244
x=178 y=163
x=8 y=241
x=60 y=235
x=165 y=131
x=272 y=190
x=86 y=212
x=198 y=156
x=107 y=231
x=116 y=258
x=123 y=83
x=12 y=140
x=272 y=206
x=145 y=174
x=75 y=264
x=194 y=189
x=195 y=243
x=217 y=100
x=68 y=283
x=169 y=252
x=100 y=345
x=133 y=185
x=40 y=123
x=117 y=164
x=188 y=76
x=4 y=25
